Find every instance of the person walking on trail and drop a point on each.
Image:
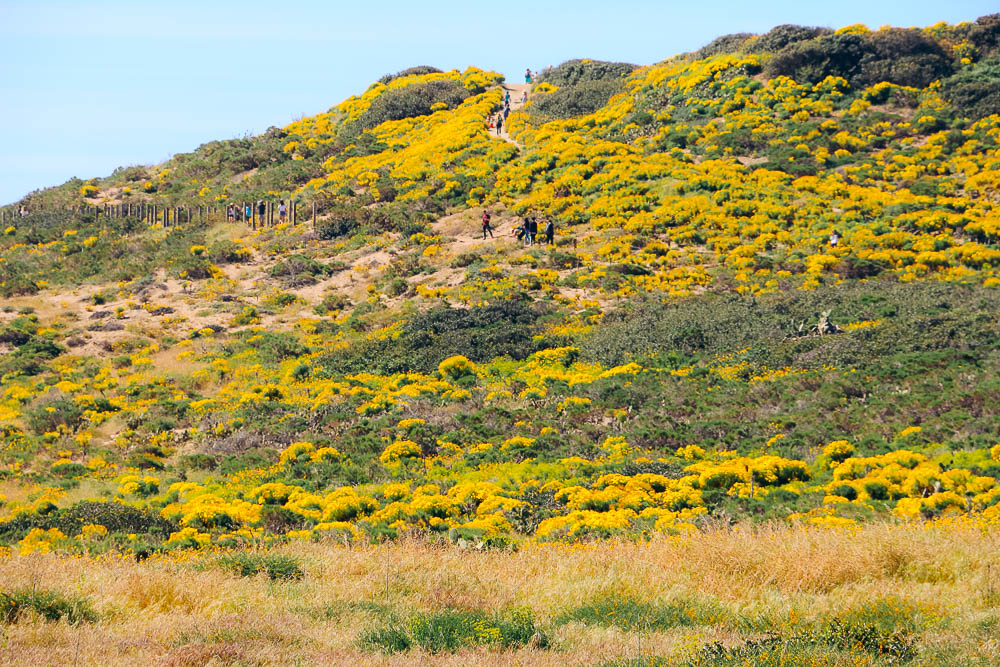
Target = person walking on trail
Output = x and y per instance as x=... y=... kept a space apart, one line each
x=520 y=231
x=499 y=125
x=281 y=211
x=524 y=97
x=834 y=239
x=506 y=98
x=261 y=210
x=527 y=75
x=550 y=232
x=532 y=230
x=230 y=213
x=248 y=212
x=486 y=225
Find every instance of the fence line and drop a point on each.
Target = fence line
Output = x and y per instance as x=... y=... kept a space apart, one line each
x=171 y=216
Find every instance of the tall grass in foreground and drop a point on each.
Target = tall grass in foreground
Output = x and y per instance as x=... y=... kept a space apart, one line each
x=876 y=595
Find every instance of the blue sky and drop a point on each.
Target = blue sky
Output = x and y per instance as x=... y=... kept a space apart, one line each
x=87 y=87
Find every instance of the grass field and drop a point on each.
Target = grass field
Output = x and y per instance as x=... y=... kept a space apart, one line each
x=916 y=594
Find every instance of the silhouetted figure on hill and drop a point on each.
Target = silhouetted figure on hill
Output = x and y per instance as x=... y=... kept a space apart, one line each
x=499 y=125
x=550 y=232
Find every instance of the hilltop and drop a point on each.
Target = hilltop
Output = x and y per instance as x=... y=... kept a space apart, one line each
x=769 y=316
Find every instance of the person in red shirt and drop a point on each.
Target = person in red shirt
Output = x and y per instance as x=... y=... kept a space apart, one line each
x=486 y=225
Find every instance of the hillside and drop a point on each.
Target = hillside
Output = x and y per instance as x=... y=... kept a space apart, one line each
x=760 y=358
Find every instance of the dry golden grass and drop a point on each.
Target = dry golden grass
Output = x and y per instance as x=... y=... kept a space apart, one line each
x=172 y=612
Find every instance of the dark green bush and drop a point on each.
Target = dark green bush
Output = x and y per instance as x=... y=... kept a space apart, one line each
x=299 y=270
x=389 y=638
x=408 y=102
x=275 y=566
x=781 y=36
x=49 y=415
x=480 y=333
x=985 y=35
x=583 y=98
x=50 y=605
x=271 y=347
x=452 y=629
x=584 y=87
x=409 y=71
x=630 y=613
x=227 y=252
x=725 y=44
x=975 y=91
x=906 y=57
x=115 y=516
x=574 y=72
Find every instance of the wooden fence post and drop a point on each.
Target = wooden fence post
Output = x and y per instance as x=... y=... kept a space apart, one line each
x=314 y=216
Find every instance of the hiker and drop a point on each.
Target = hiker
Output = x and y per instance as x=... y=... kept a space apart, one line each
x=524 y=97
x=527 y=75
x=550 y=232
x=834 y=239
x=499 y=125
x=486 y=225
x=506 y=112
x=261 y=211
x=506 y=98
x=532 y=230
x=520 y=231
x=248 y=212
x=230 y=213
x=281 y=211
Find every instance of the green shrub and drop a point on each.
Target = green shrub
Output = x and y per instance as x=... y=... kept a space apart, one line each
x=409 y=102
x=50 y=415
x=585 y=97
x=275 y=566
x=299 y=270
x=904 y=57
x=409 y=71
x=227 y=252
x=574 y=72
x=630 y=613
x=584 y=87
x=781 y=36
x=386 y=639
x=726 y=44
x=451 y=629
x=50 y=605
x=480 y=333
x=975 y=91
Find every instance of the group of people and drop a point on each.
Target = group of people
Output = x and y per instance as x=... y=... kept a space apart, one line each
x=497 y=121
x=235 y=213
x=527 y=231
